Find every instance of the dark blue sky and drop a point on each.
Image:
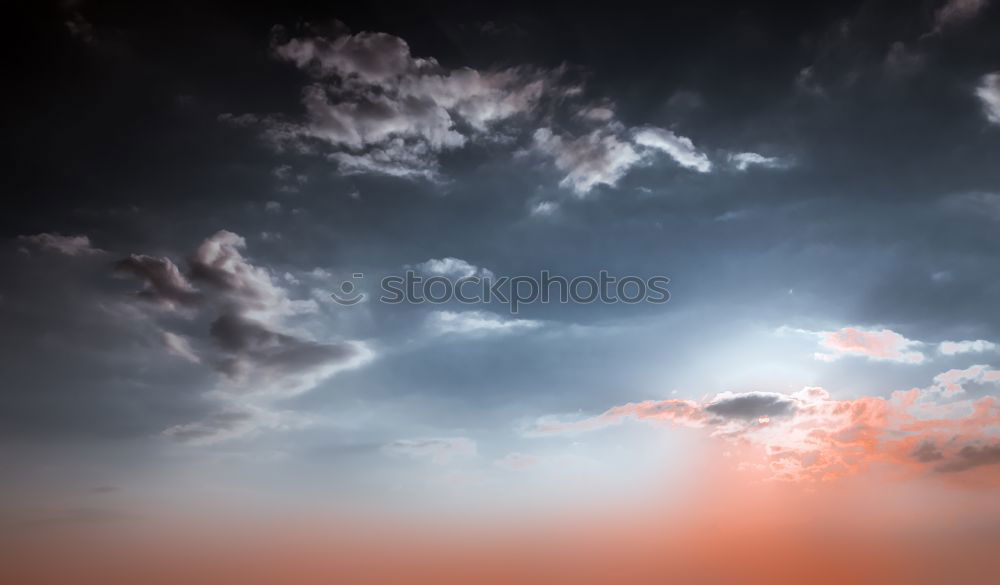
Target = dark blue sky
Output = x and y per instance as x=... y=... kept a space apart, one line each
x=186 y=185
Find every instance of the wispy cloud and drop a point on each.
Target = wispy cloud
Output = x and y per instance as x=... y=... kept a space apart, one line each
x=439 y=450
x=988 y=92
x=78 y=245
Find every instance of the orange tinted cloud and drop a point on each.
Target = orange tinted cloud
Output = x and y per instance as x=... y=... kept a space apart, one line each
x=810 y=436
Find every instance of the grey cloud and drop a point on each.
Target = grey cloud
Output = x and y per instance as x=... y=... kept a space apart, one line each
x=956 y=12
x=264 y=360
x=751 y=405
x=452 y=267
x=214 y=428
x=179 y=346
x=971 y=456
x=70 y=245
x=165 y=284
x=927 y=452
x=439 y=450
x=246 y=342
x=218 y=262
x=902 y=61
x=375 y=108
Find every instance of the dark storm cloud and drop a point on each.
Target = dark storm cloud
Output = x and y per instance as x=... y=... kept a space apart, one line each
x=751 y=405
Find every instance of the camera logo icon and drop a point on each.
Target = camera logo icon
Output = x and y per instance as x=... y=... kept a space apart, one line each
x=348 y=295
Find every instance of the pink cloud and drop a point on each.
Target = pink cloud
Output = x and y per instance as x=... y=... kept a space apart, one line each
x=883 y=344
x=810 y=436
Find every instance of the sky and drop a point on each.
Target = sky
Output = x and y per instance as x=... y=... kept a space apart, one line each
x=191 y=187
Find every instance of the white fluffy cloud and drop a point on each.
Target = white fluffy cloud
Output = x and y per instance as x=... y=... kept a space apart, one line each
x=744 y=160
x=679 y=148
x=881 y=345
x=605 y=154
x=452 y=268
x=476 y=323
x=373 y=107
x=953 y=382
x=988 y=93
x=597 y=158
x=970 y=346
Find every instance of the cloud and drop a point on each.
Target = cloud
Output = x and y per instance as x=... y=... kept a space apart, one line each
x=751 y=405
x=597 y=158
x=517 y=461
x=544 y=209
x=452 y=267
x=373 y=107
x=927 y=452
x=953 y=381
x=679 y=148
x=901 y=61
x=247 y=341
x=971 y=456
x=164 y=282
x=213 y=429
x=884 y=345
x=179 y=346
x=244 y=288
x=809 y=436
x=988 y=93
x=441 y=451
x=597 y=113
x=260 y=360
x=957 y=347
x=955 y=12
x=744 y=160
x=680 y=412
x=233 y=421
x=68 y=245
x=476 y=323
